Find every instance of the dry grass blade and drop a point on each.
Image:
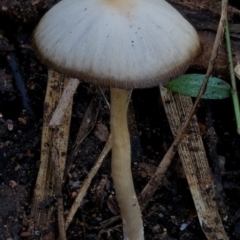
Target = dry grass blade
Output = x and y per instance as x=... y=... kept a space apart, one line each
x=195 y=164
x=87 y=182
x=53 y=154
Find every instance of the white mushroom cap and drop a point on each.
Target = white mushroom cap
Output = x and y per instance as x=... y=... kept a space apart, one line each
x=117 y=43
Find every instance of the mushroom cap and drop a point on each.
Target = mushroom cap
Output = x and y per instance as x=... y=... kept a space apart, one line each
x=116 y=43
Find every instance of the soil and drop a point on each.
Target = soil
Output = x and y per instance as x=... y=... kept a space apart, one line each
x=171 y=213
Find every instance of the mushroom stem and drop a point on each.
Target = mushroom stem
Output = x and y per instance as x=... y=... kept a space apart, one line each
x=121 y=167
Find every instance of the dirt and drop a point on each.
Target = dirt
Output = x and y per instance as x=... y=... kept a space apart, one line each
x=171 y=213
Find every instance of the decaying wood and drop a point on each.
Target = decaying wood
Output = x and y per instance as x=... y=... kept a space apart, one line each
x=195 y=164
x=53 y=156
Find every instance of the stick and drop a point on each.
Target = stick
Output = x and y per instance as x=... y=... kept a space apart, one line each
x=87 y=182
x=64 y=102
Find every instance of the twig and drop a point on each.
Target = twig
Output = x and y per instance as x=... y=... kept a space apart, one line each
x=64 y=102
x=154 y=182
x=233 y=80
x=87 y=182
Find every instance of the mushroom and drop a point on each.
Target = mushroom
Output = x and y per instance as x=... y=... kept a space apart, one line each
x=121 y=44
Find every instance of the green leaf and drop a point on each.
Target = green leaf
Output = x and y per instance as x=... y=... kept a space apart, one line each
x=190 y=84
